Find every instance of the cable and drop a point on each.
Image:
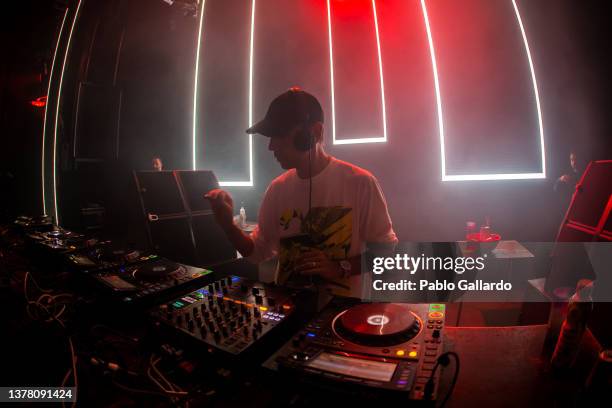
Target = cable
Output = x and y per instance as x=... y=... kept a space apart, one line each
x=173 y=391
x=309 y=225
x=72 y=371
x=136 y=390
x=153 y=364
x=309 y=214
x=444 y=360
x=51 y=315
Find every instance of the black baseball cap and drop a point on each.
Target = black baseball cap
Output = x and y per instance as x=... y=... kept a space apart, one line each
x=287 y=110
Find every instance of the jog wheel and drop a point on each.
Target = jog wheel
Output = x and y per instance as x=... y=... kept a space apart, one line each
x=156 y=271
x=377 y=324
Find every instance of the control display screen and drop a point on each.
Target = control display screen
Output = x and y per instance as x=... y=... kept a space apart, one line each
x=117 y=283
x=354 y=367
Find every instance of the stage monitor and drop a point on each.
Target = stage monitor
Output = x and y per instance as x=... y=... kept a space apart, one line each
x=592 y=195
x=159 y=192
x=195 y=184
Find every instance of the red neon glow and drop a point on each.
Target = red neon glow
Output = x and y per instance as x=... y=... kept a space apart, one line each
x=39 y=102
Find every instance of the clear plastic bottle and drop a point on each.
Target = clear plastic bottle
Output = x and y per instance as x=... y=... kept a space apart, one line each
x=242 y=217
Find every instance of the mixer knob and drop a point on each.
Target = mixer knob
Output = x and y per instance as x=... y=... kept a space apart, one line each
x=190 y=324
x=254 y=333
x=256 y=312
x=245 y=331
x=203 y=330
x=258 y=299
x=435 y=334
x=216 y=334
x=224 y=331
x=206 y=314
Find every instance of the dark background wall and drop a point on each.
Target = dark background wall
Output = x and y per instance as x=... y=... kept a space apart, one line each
x=136 y=59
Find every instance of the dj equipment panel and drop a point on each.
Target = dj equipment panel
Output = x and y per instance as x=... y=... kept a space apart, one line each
x=232 y=314
x=385 y=346
x=104 y=255
x=147 y=281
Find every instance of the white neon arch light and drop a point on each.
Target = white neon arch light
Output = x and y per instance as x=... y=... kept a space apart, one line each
x=379 y=139
x=44 y=134
x=503 y=176
x=248 y=183
x=59 y=97
x=195 y=87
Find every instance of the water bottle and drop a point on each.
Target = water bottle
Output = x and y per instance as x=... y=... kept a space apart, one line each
x=242 y=217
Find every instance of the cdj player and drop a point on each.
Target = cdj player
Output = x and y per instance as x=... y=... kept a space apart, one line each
x=105 y=255
x=389 y=347
x=150 y=277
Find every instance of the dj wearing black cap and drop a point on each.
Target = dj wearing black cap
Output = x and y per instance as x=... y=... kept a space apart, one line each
x=317 y=215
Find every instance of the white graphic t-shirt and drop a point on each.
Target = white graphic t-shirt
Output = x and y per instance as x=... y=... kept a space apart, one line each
x=348 y=210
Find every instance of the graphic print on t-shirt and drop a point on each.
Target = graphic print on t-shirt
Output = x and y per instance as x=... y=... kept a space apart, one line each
x=328 y=229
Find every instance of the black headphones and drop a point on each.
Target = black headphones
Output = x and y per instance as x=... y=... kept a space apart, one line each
x=303 y=140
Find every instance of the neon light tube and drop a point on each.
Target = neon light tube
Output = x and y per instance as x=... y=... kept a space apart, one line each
x=382 y=138
x=195 y=88
x=44 y=135
x=502 y=176
x=248 y=183
x=59 y=98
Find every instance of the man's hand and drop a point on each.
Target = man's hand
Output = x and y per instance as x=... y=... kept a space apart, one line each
x=223 y=207
x=564 y=178
x=315 y=262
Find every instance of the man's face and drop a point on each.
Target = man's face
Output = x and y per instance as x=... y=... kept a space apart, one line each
x=157 y=164
x=284 y=150
x=573 y=160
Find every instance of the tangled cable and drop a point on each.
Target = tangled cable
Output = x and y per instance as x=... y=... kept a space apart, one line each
x=48 y=308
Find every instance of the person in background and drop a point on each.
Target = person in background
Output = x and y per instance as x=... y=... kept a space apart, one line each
x=565 y=185
x=571 y=176
x=157 y=163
